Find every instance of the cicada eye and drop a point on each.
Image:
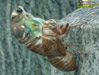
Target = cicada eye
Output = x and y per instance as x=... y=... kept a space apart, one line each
x=19 y=10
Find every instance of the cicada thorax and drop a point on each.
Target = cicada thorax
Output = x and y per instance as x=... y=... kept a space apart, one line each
x=34 y=44
x=54 y=49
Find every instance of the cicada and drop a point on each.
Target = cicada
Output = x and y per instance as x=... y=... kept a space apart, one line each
x=45 y=38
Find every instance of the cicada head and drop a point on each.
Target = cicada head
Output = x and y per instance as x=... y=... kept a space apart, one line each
x=17 y=20
x=18 y=14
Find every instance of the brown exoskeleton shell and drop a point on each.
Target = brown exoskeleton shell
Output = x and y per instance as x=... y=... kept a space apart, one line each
x=51 y=42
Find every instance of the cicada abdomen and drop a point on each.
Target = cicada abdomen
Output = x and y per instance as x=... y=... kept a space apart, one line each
x=65 y=63
x=54 y=49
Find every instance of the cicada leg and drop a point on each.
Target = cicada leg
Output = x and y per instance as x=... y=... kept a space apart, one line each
x=70 y=46
x=63 y=30
x=73 y=25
